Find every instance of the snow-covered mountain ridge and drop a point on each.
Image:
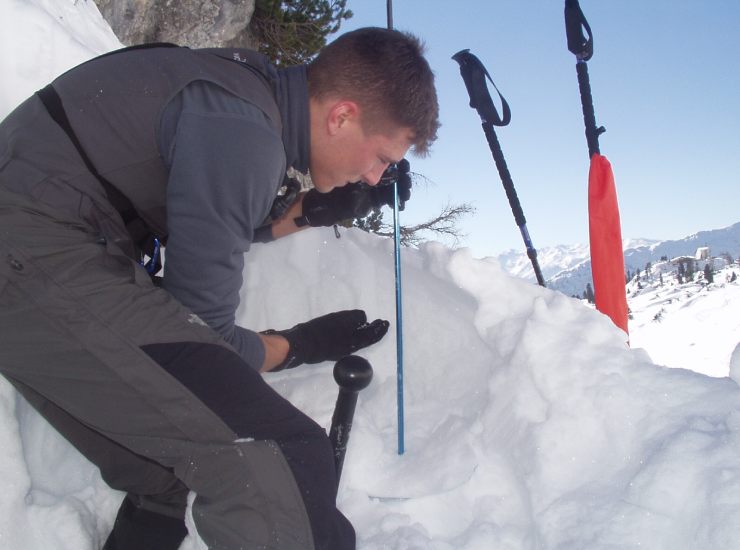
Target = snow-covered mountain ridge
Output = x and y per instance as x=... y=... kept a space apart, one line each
x=567 y=268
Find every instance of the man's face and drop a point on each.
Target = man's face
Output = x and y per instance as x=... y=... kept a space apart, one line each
x=343 y=151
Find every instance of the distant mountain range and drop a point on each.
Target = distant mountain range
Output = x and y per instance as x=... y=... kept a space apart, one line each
x=567 y=268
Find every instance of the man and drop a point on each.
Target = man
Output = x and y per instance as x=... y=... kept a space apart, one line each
x=158 y=386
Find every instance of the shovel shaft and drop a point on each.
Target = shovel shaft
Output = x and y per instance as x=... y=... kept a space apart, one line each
x=352 y=374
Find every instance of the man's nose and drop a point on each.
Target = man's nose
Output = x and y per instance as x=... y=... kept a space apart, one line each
x=373 y=176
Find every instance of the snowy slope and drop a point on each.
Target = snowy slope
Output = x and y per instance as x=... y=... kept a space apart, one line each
x=39 y=39
x=530 y=423
x=693 y=325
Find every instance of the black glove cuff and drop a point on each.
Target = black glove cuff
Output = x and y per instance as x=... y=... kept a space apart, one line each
x=263 y=234
x=301 y=222
x=348 y=202
x=292 y=359
x=317 y=210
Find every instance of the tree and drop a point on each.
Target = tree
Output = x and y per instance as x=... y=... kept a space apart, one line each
x=588 y=294
x=291 y=32
x=660 y=278
x=443 y=224
x=708 y=275
x=690 y=270
x=372 y=223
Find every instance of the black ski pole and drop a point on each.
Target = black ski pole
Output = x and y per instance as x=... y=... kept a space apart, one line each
x=353 y=374
x=474 y=75
x=604 y=226
x=583 y=48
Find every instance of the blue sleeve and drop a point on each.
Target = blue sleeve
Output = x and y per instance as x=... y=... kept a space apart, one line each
x=226 y=163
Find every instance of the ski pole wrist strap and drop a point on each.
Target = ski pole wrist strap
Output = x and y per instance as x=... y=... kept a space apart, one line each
x=575 y=23
x=474 y=75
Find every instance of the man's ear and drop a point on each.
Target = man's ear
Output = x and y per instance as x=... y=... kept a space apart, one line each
x=340 y=114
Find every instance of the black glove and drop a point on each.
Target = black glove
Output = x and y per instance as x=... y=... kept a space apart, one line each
x=383 y=192
x=329 y=337
x=341 y=203
x=355 y=200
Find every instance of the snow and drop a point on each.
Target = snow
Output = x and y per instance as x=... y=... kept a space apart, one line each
x=530 y=424
x=687 y=325
x=42 y=38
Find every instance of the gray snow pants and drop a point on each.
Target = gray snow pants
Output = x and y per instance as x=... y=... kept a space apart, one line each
x=157 y=400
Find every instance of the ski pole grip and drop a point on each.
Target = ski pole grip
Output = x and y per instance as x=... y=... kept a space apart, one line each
x=474 y=74
x=353 y=374
x=575 y=23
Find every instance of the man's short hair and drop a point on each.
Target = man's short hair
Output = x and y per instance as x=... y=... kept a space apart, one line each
x=385 y=72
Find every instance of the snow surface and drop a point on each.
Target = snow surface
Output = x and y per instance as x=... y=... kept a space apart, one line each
x=693 y=325
x=530 y=424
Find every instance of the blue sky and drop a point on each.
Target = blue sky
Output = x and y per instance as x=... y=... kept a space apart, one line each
x=665 y=79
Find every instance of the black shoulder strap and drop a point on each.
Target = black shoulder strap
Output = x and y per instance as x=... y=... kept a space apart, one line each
x=141 y=234
x=53 y=103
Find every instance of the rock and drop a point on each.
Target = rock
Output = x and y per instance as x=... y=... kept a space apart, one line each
x=193 y=23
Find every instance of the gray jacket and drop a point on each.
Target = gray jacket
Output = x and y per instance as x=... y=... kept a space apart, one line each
x=198 y=140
